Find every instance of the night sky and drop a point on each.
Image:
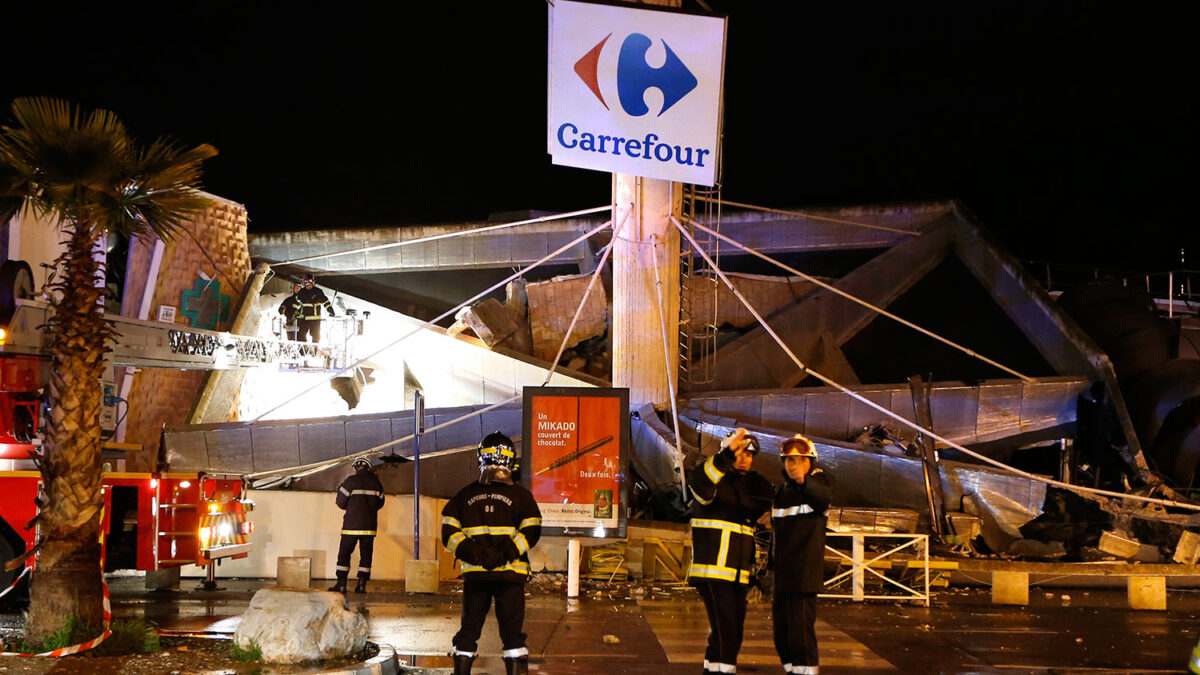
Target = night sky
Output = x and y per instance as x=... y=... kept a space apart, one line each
x=1068 y=128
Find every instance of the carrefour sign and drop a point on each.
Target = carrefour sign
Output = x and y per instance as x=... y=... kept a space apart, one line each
x=636 y=91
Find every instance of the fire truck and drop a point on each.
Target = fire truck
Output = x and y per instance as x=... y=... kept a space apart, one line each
x=153 y=521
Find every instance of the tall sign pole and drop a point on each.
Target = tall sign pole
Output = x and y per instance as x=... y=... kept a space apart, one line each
x=645 y=206
x=636 y=91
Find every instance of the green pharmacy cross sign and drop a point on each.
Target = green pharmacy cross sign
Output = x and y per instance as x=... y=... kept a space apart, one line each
x=204 y=305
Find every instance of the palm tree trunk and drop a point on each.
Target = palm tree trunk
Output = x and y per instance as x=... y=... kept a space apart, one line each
x=67 y=580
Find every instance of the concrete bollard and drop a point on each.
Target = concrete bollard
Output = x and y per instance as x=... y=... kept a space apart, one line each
x=293 y=571
x=1147 y=592
x=1010 y=588
x=162 y=580
x=421 y=576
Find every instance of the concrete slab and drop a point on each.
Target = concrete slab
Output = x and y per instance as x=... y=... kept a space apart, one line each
x=1010 y=588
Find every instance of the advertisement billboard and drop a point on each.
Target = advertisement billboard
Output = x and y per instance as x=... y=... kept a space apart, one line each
x=636 y=90
x=576 y=441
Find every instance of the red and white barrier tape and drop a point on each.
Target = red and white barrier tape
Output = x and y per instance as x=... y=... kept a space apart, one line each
x=24 y=571
x=83 y=646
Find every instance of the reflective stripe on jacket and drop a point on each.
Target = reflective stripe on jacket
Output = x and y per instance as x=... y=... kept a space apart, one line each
x=726 y=505
x=501 y=516
x=798 y=524
x=309 y=302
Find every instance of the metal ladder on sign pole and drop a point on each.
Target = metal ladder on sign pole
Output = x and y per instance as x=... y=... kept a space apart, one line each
x=698 y=289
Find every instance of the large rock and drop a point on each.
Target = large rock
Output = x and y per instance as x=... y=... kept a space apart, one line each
x=293 y=625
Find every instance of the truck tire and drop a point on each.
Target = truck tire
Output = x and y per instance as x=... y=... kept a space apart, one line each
x=11 y=546
x=16 y=282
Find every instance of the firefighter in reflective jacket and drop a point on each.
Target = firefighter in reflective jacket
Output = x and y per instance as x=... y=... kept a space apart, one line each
x=490 y=525
x=288 y=309
x=361 y=497
x=308 y=303
x=728 y=499
x=798 y=521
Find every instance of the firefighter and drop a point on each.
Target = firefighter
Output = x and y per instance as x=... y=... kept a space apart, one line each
x=729 y=498
x=490 y=525
x=288 y=308
x=361 y=497
x=309 y=302
x=798 y=519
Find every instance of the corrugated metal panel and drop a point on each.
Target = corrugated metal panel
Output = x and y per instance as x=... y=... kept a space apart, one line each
x=954 y=410
x=466 y=432
x=275 y=447
x=785 y=412
x=860 y=415
x=402 y=425
x=496 y=249
x=1055 y=403
x=366 y=434
x=379 y=259
x=420 y=256
x=902 y=484
x=320 y=441
x=748 y=409
x=999 y=412
x=827 y=415
x=857 y=479
x=230 y=450
x=453 y=252
x=188 y=451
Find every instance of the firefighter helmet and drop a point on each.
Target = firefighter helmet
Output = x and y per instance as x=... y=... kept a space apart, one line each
x=362 y=463
x=798 y=446
x=750 y=444
x=496 y=449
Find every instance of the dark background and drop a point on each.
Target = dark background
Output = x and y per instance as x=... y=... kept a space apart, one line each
x=1068 y=128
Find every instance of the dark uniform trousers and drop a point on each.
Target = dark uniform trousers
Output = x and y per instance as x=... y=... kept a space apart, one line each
x=510 y=614
x=309 y=327
x=366 y=551
x=795 y=617
x=725 y=604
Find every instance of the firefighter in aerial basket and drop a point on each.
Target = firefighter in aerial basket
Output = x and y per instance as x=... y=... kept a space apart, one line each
x=361 y=497
x=490 y=525
x=309 y=302
x=728 y=498
x=798 y=521
x=289 y=308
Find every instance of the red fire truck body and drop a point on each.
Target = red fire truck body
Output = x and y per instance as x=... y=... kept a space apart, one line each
x=180 y=518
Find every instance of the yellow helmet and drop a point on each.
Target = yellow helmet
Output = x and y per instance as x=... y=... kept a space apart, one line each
x=798 y=446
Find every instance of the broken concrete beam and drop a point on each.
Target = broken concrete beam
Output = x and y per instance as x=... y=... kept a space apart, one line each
x=1119 y=545
x=858 y=519
x=552 y=305
x=489 y=320
x=1147 y=592
x=1187 y=551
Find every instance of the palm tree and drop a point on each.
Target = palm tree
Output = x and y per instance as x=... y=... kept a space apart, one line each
x=84 y=168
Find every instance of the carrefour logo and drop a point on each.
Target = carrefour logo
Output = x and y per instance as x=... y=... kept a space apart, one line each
x=635 y=75
x=635 y=90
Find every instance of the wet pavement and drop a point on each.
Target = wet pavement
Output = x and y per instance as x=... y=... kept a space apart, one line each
x=663 y=632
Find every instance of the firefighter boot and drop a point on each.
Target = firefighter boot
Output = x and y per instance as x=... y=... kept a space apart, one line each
x=516 y=666
x=462 y=664
x=340 y=586
x=361 y=586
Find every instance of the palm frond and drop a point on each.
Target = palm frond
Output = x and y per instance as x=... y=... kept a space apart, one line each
x=85 y=166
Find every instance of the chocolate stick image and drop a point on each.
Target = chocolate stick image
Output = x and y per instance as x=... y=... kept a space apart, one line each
x=567 y=459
